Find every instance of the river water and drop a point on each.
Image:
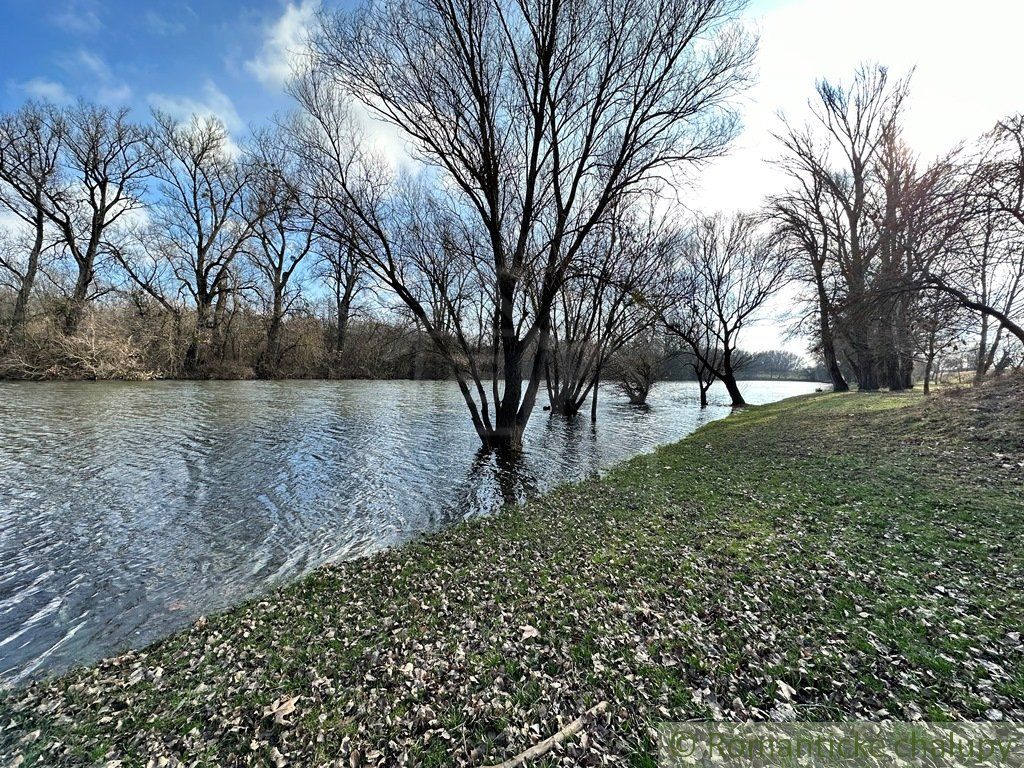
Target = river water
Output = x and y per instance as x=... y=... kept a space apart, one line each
x=127 y=510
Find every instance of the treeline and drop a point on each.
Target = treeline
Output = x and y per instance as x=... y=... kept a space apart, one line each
x=524 y=245
x=163 y=249
x=904 y=262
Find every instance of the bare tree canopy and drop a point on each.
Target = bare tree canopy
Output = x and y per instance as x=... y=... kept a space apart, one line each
x=613 y=296
x=730 y=268
x=541 y=118
x=203 y=219
x=30 y=155
x=490 y=191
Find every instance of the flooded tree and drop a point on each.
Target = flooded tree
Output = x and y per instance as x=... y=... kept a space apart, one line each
x=540 y=119
x=639 y=366
x=613 y=296
x=728 y=270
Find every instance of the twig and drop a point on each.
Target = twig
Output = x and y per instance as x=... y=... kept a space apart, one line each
x=551 y=742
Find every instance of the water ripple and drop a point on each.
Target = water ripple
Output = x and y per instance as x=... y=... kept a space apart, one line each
x=127 y=510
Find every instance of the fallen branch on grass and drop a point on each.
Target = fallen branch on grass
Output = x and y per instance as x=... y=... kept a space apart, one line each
x=543 y=747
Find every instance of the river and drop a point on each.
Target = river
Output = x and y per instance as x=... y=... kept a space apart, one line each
x=127 y=510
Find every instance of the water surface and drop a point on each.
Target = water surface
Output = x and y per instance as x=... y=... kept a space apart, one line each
x=127 y=510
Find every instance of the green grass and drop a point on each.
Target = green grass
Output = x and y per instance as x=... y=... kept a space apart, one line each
x=863 y=549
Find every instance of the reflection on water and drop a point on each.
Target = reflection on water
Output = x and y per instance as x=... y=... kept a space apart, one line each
x=129 y=509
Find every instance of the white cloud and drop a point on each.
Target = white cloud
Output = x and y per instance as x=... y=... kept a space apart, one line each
x=285 y=42
x=78 y=17
x=43 y=89
x=162 y=25
x=213 y=103
x=109 y=89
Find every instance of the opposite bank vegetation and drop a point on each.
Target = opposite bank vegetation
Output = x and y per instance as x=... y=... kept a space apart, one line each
x=827 y=557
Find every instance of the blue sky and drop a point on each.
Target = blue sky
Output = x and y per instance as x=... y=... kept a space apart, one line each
x=168 y=53
x=148 y=53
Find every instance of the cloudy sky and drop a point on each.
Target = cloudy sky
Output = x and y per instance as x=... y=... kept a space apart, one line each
x=230 y=58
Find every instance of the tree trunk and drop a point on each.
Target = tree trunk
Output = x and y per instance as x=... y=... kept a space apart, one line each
x=194 y=356
x=76 y=306
x=341 y=332
x=729 y=379
x=220 y=313
x=271 y=358
x=828 y=345
x=734 y=390
x=29 y=278
x=893 y=372
x=864 y=367
x=565 y=401
x=516 y=405
x=980 y=367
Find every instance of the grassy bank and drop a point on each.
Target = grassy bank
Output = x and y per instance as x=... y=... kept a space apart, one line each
x=833 y=556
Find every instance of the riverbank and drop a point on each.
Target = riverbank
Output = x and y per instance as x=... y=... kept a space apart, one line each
x=831 y=556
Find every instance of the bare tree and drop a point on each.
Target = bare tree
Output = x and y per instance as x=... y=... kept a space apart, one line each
x=835 y=163
x=202 y=220
x=339 y=265
x=729 y=271
x=983 y=268
x=693 y=323
x=807 y=216
x=639 y=365
x=615 y=294
x=104 y=163
x=29 y=165
x=939 y=326
x=774 y=363
x=541 y=118
x=285 y=225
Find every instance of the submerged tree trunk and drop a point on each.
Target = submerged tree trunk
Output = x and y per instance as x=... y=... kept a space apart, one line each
x=516 y=406
x=593 y=399
x=734 y=390
x=704 y=387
